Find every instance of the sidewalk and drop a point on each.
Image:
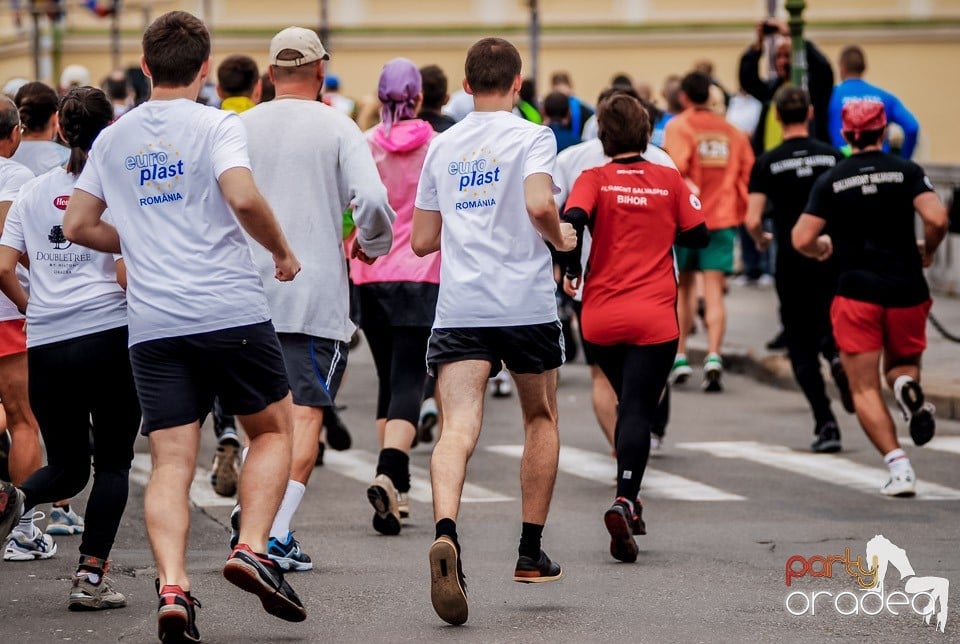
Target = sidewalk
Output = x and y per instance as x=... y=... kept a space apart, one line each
x=752 y=320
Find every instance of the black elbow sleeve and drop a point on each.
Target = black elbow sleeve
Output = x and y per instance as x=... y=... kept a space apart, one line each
x=696 y=237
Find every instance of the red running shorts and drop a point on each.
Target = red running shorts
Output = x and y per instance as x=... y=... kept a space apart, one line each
x=863 y=327
x=13 y=340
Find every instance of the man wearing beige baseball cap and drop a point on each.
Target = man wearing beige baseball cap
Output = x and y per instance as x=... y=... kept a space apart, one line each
x=311 y=162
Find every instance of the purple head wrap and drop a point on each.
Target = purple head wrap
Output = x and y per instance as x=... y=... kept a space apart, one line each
x=400 y=83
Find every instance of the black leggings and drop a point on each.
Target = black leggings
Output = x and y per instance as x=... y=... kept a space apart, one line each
x=399 y=354
x=77 y=385
x=638 y=375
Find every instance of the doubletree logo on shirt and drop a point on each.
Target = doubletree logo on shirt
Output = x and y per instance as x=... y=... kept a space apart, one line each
x=476 y=178
x=58 y=239
x=157 y=167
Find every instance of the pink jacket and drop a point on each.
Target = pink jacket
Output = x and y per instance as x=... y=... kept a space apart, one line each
x=399 y=160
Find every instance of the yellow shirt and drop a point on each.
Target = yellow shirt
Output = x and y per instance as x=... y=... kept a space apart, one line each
x=237 y=104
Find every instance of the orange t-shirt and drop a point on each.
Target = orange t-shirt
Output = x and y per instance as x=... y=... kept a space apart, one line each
x=717 y=158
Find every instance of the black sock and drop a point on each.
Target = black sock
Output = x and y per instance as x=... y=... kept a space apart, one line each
x=530 y=540
x=448 y=528
x=396 y=465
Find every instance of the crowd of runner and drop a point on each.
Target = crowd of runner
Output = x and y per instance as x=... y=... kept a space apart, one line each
x=156 y=239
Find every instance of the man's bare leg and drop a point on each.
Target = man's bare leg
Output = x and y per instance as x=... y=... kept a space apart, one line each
x=25 y=458
x=863 y=372
x=541 y=446
x=686 y=305
x=716 y=310
x=604 y=405
x=289 y=429
x=460 y=388
x=167 y=499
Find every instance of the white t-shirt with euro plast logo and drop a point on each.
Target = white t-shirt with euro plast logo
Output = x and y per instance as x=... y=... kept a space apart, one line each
x=73 y=290
x=13 y=176
x=189 y=268
x=496 y=269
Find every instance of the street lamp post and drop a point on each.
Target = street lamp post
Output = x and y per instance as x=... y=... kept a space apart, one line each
x=799 y=63
x=534 y=40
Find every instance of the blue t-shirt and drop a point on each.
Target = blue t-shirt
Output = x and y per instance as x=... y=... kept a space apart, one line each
x=856 y=89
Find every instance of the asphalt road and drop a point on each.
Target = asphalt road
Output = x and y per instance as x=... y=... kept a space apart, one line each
x=730 y=498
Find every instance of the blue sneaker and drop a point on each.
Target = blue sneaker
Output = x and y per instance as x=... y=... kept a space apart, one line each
x=64 y=521
x=288 y=555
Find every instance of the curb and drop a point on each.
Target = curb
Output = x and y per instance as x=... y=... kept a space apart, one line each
x=774 y=369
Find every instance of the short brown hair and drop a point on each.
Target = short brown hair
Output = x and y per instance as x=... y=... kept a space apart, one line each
x=237 y=75
x=853 y=60
x=623 y=125
x=175 y=46
x=492 y=65
x=793 y=104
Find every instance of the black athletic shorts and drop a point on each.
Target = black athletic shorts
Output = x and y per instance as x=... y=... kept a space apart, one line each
x=315 y=367
x=533 y=348
x=177 y=378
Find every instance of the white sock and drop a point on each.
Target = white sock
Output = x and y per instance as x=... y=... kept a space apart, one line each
x=26 y=522
x=243 y=455
x=288 y=507
x=897 y=461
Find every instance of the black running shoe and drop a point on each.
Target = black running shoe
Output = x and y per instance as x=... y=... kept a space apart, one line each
x=177 y=615
x=448 y=587
x=843 y=385
x=918 y=412
x=536 y=571
x=321 y=448
x=260 y=575
x=620 y=522
x=338 y=436
x=828 y=439
x=11 y=508
x=638 y=526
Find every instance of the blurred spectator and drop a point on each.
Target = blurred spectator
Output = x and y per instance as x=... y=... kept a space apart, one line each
x=140 y=84
x=527 y=102
x=238 y=83
x=556 y=108
x=620 y=81
x=644 y=91
x=580 y=112
x=743 y=112
x=459 y=105
x=268 y=91
x=672 y=106
x=118 y=92
x=434 y=98
x=852 y=87
x=73 y=76
x=368 y=112
x=13 y=86
x=769 y=132
x=336 y=100
x=706 y=68
x=38 y=104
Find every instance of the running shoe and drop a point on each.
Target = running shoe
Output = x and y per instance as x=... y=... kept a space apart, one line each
x=92 y=591
x=403 y=504
x=177 y=615
x=260 y=575
x=11 y=508
x=235 y=526
x=917 y=412
x=288 y=554
x=902 y=483
x=448 y=586
x=620 y=521
x=656 y=443
x=536 y=571
x=843 y=385
x=712 y=373
x=383 y=497
x=429 y=416
x=23 y=546
x=321 y=448
x=64 y=522
x=226 y=464
x=828 y=439
x=681 y=370
x=338 y=436
x=501 y=385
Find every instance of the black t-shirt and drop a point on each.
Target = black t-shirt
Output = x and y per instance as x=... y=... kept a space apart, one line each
x=786 y=175
x=439 y=122
x=867 y=201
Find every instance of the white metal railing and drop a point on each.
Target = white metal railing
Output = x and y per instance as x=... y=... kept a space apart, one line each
x=944 y=275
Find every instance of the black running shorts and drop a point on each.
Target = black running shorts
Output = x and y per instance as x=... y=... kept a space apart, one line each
x=315 y=368
x=177 y=378
x=533 y=348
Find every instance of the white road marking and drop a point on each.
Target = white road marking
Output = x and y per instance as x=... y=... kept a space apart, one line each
x=201 y=492
x=362 y=466
x=938 y=443
x=828 y=468
x=601 y=468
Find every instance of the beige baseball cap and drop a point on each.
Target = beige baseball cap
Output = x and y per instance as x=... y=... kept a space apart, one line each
x=304 y=41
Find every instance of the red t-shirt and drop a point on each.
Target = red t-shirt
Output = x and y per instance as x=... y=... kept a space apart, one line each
x=630 y=290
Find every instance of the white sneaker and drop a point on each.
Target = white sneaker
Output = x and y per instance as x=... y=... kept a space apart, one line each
x=403 y=504
x=765 y=281
x=902 y=483
x=64 y=523
x=501 y=385
x=655 y=443
x=27 y=547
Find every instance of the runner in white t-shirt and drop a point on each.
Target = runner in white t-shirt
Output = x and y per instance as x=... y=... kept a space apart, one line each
x=486 y=197
x=77 y=323
x=25 y=457
x=311 y=162
x=177 y=180
x=570 y=163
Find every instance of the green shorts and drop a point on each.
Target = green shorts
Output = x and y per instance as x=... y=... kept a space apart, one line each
x=717 y=256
